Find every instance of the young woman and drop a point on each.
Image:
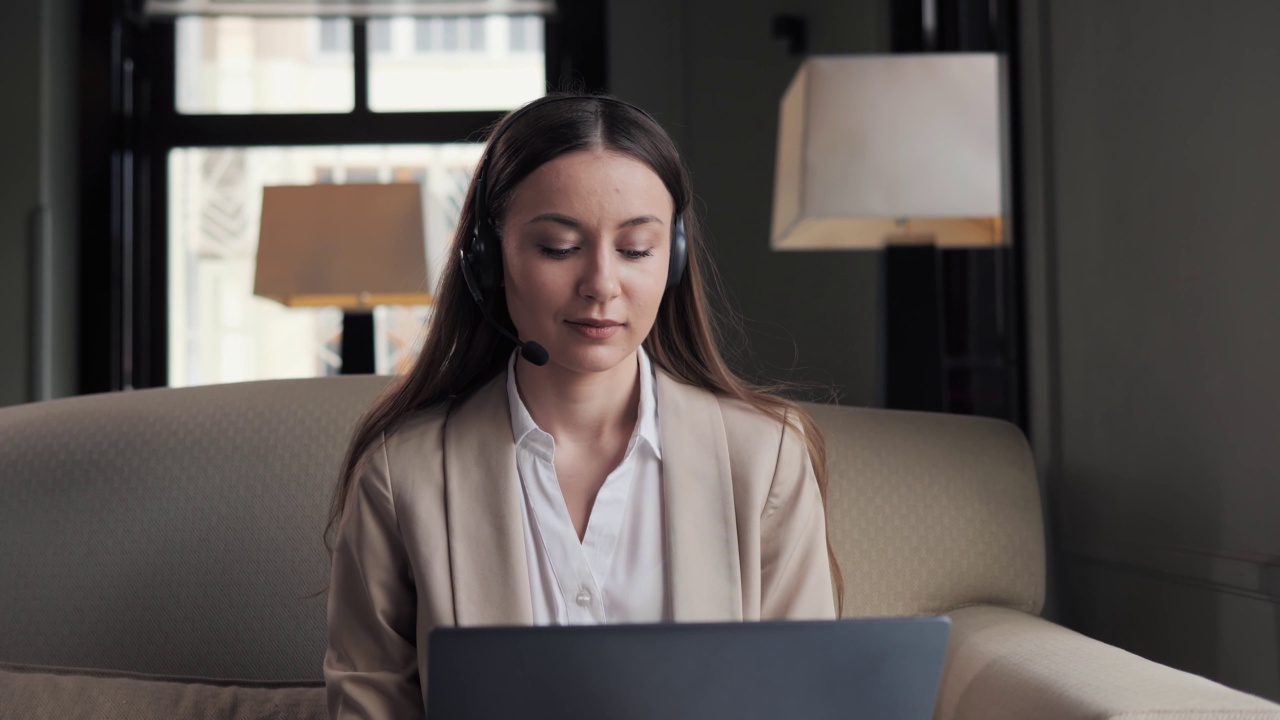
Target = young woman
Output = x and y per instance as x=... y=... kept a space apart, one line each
x=607 y=467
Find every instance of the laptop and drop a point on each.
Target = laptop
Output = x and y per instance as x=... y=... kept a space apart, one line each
x=873 y=669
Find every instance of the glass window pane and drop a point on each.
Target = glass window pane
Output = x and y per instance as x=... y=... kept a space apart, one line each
x=461 y=63
x=380 y=35
x=424 y=31
x=219 y=330
x=264 y=65
x=335 y=35
x=525 y=34
x=450 y=43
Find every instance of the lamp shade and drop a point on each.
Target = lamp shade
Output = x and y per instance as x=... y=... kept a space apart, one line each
x=882 y=149
x=353 y=246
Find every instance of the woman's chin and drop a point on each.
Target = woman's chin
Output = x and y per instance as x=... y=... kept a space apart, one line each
x=579 y=359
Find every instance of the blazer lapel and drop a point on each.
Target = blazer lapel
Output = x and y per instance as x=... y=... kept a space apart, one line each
x=483 y=505
x=702 y=539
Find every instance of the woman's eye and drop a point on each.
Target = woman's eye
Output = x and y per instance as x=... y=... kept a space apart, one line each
x=637 y=254
x=555 y=252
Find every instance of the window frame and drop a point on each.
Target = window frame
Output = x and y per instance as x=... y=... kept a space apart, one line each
x=130 y=123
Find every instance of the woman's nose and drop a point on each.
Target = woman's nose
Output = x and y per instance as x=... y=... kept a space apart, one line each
x=600 y=278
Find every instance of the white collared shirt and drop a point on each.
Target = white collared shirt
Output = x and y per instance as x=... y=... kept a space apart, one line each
x=616 y=573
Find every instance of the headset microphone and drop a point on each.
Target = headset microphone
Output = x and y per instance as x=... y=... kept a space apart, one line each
x=531 y=351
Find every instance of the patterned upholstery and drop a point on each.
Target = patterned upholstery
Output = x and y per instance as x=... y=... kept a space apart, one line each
x=175 y=532
x=178 y=533
x=930 y=513
x=1007 y=664
x=61 y=694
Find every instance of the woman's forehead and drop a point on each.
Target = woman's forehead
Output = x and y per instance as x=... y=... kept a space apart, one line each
x=592 y=180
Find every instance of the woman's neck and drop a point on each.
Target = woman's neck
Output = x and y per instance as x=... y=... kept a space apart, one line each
x=581 y=407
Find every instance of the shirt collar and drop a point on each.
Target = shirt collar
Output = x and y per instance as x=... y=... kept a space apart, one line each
x=647 y=425
x=528 y=435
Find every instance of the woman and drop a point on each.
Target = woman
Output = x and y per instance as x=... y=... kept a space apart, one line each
x=609 y=467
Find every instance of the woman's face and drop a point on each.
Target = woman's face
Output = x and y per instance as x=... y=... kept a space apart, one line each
x=585 y=247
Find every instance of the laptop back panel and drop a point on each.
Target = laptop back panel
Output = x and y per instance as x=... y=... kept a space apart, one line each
x=874 y=669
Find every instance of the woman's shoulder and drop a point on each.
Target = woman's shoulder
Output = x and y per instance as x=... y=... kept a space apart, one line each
x=756 y=437
x=418 y=425
x=423 y=428
x=743 y=421
x=742 y=418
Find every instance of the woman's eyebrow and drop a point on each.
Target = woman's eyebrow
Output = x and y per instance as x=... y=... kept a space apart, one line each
x=639 y=221
x=555 y=218
x=570 y=222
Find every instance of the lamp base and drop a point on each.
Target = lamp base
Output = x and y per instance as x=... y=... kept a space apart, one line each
x=911 y=329
x=357 y=343
x=944 y=335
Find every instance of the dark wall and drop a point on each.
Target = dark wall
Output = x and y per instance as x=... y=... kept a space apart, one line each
x=1156 y=316
x=38 y=189
x=19 y=190
x=713 y=73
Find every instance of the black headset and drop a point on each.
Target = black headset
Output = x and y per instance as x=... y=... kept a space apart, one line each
x=482 y=256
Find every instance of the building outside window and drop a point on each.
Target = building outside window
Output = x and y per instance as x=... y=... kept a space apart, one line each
x=525 y=34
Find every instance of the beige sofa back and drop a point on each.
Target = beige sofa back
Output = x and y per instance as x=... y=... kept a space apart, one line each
x=173 y=532
x=930 y=513
x=178 y=532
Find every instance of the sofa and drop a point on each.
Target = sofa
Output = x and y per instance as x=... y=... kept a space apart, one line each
x=161 y=556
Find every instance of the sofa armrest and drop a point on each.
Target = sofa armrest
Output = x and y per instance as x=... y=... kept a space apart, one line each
x=1005 y=664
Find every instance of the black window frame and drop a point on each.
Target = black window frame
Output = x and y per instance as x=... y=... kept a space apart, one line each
x=129 y=123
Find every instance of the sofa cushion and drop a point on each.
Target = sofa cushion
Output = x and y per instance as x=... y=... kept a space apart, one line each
x=40 y=693
x=929 y=513
x=174 y=532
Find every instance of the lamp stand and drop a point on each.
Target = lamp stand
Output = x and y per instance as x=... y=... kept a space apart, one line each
x=357 y=343
x=912 y=372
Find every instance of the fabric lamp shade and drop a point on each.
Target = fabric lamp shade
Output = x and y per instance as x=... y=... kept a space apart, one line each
x=351 y=246
x=891 y=149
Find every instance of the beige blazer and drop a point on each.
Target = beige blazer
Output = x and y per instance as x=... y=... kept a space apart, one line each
x=432 y=535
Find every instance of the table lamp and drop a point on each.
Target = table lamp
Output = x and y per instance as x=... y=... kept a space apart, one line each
x=902 y=154
x=348 y=246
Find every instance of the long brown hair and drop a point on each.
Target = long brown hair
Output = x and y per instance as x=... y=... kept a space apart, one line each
x=461 y=352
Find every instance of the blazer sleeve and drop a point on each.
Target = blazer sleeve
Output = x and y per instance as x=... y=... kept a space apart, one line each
x=371 y=666
x=795 y=576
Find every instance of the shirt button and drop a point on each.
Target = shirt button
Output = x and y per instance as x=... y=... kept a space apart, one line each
x=584 y=598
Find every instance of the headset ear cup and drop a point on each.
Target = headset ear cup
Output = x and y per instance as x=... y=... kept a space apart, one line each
x=467 y=261
x=679 y=253
x=487 y=265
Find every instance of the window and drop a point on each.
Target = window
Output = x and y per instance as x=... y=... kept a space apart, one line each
x=264 y=65
x=358 y=174
x=451 y=34
x=457 y=64
x=335 y=35
x=524 y=33
x=475 y=33
x=449 y=28
x=222 y=106
x=380 y=35
x=219 y=330
x=424 y=34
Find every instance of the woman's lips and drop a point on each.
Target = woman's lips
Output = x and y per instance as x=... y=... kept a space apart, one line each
x=595 y=330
